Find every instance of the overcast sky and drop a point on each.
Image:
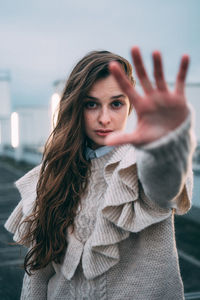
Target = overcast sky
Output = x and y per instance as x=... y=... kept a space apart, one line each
x=41 y=40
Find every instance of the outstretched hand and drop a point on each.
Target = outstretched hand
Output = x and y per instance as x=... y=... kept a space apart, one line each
x=159 y=111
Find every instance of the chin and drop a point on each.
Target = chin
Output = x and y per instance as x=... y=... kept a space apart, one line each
x=94 y=144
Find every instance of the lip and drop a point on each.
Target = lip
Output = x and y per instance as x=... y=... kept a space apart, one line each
x=103 y=132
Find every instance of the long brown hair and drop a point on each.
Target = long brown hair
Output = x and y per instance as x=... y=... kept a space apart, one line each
x=64 y=171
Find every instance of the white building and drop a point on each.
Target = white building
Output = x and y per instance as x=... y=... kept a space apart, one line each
x=5 y=107
x=24 y=132
x=5 y=101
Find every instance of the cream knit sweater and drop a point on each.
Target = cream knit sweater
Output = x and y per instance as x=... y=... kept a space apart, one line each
x=123 y=246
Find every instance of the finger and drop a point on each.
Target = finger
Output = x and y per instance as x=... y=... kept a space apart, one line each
x=140 y=70
x=180 y=79
x=158 y=71
x=123 y=81
x=119 y=139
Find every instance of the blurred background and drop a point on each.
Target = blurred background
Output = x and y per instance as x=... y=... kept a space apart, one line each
x=40 y=43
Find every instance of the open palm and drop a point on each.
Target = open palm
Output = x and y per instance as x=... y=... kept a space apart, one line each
x=159 y=111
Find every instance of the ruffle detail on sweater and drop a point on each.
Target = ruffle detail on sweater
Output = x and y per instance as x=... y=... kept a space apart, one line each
x=72 y=257
x=123 y=211
x=27 y=188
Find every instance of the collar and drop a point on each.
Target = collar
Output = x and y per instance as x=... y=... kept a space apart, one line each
x=90 y=153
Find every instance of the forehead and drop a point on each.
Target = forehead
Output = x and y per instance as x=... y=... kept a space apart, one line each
x=105 y=87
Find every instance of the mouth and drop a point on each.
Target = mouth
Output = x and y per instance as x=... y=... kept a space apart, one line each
x=103 y=132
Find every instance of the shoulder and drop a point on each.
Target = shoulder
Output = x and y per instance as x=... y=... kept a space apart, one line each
x=26 y=185
x=27 y=188
x=30 y=176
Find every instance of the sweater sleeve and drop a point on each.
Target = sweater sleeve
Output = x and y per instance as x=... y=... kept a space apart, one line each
x=165 y=167
x=36 y=285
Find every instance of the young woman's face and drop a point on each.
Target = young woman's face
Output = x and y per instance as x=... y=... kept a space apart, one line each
x=106 y=109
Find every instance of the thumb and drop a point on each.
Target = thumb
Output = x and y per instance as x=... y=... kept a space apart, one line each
x=120 y=138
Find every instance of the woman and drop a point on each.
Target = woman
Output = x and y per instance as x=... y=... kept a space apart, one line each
x=97 y=214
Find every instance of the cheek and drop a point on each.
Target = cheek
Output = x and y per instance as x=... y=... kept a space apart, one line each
x=88 y=119
x=122 y=116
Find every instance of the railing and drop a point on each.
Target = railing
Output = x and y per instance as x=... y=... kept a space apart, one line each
x=190 y=296
x=23 y=134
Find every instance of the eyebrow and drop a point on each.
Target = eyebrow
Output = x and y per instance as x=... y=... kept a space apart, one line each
x=113 y=97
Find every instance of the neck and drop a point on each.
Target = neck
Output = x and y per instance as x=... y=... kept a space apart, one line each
x=93 y=145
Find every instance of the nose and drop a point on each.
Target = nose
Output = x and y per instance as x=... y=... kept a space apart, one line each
x=104 y=116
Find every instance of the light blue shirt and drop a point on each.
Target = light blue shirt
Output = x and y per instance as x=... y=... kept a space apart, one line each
x=90 y=153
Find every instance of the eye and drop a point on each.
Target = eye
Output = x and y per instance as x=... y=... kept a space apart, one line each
x=90 y=105
x=116 y=104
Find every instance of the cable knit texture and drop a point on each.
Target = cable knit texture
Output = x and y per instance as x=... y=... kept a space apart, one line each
x=123 y=246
